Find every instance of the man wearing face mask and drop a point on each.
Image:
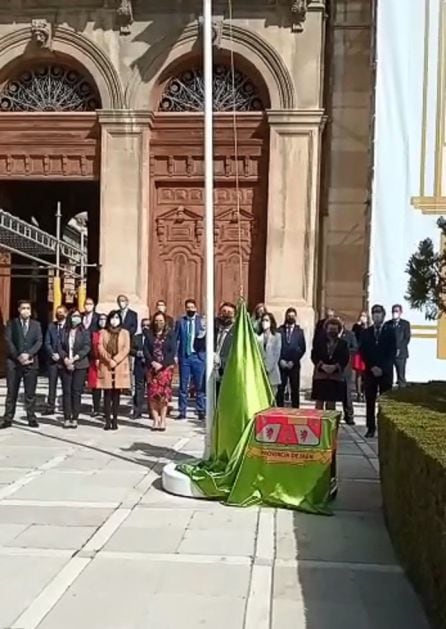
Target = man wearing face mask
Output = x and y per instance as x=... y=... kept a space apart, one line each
x=74 y=350
x=161 y=306
x=378 y=351
x=89 y=316
x=139 y=369
x=23 y=338
x=402 y=336
x=292 y=352
x=224 y=334
x=129 y=317
x=52 y=337
x=190 y=332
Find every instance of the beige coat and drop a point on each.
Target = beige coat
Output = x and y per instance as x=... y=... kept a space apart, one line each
x=122 y=369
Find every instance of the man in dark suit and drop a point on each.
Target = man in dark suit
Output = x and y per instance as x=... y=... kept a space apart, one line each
x=349 y=337
x=402 y=336
x=161 y=306
x=23 y=339
x=378 y=351
x=52 y=337
x=139 y=369
x=293 y=349
x=190 y=332
x=90 y=317
x=224 y=334
x=129 y=317
x=320 y=325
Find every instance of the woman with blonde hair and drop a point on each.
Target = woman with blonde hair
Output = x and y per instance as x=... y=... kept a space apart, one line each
x=114 y=366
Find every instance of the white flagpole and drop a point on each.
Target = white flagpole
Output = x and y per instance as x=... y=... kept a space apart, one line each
x=209 y=214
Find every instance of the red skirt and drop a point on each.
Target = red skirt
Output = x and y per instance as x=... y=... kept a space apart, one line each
x=160 y=384
x=357 y=363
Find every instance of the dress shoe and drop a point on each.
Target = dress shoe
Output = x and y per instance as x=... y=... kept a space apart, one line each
x=73 y=423
x=5 y=423
x=33 y=423
x=136 y=415
x=349 y=421
x=180 y=416
x=202 y=416
x=370 y=433
x=67 y=423
x=107 y=426
x=48 y=412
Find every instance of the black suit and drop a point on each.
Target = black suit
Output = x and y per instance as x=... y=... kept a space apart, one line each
x=293 y=349
x=223 y=338
x=20 y=342
x=402 y=338
x=130 y=321
x=377 y=349
x=73 y=381
x=52 y=337
x=93 y=319
x=139 y=373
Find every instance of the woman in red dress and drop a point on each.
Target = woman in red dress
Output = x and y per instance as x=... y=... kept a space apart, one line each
x=92 y=378
x=159 y=352
x=358 y=364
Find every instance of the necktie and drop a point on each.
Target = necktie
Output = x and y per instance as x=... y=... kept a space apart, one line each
x=25 y=328
x=59 y=331
x=190 y=342
x=288 y=334
x=377 y=334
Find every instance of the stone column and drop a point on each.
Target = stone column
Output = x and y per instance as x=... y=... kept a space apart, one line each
x=291 y=251
x=123 y=248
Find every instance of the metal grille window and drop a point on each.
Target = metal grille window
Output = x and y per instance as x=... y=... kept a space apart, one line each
x=186 y=92
x=49 y=88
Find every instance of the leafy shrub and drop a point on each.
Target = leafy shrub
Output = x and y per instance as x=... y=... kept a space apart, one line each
x=412 y=453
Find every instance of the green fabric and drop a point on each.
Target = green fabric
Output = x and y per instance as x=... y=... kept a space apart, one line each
x=244 y=391
x=257 y=452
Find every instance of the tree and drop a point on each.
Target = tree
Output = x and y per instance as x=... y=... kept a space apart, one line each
x=426 y=289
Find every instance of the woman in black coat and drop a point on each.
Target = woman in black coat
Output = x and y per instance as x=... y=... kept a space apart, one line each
x=330 y=356
x=74 y=349
x=159 y=353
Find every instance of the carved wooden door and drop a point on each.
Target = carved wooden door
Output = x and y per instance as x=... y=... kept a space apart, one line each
x=176 y=269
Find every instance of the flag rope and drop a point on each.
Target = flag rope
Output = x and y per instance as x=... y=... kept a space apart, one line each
x=236 y=160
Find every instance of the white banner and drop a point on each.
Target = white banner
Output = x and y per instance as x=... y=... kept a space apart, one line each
x=409 y=188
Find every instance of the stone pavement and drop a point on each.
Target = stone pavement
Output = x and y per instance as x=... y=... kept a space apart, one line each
x=89 y=540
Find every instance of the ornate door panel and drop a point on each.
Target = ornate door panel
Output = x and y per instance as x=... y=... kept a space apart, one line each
x=177 y=211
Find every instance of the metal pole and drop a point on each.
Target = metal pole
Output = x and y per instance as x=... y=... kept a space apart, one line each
x=209 y=214
x=57 y=289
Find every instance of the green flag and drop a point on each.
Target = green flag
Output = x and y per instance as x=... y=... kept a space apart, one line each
x=244 y=391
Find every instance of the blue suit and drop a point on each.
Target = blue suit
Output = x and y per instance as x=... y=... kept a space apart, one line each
x=191 y=361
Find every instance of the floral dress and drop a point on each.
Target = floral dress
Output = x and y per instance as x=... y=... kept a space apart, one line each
x=160 y=383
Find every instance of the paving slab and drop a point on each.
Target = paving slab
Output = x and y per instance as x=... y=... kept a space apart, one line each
x=58 y=516
x=50 y=536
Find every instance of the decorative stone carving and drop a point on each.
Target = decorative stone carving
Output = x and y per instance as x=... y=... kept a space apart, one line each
x=297 y=9
x=125 y=16
x=41 y=33
x=217 y=30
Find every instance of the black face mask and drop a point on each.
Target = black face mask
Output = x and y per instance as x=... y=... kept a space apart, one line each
x=332 y=334
x=290 y=320
x=190 y=313
x=226 y=321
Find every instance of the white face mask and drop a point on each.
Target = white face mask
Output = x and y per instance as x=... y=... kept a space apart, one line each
x=396 y=315
x=266 y=325
x=123 y=304
x=89 y=308
x=363 y=320
x=114 y=322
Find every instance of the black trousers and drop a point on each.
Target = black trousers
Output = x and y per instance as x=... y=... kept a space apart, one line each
x=293 y=377
x=372 y=387
x=140 y=394
x=73 y=383
x=400 y=366
x=111 y=403
x=347 y=402
x=54 y=373
x=14 y=375
x=96 y=395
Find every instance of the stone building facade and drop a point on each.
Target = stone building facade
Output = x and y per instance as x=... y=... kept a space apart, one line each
x=101 y=107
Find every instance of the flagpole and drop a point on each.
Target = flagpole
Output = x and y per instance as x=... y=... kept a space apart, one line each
x=209 y=213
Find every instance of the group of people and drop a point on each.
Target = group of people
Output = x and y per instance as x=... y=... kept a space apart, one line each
x=104 y=351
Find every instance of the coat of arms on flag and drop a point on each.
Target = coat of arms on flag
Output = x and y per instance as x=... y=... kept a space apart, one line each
x=289 y=427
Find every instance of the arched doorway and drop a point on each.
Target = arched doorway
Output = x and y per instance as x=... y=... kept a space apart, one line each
x=49 y=154
x=177 y=173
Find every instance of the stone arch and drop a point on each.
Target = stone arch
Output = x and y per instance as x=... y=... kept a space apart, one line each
x=246 y=45
x=17 y=46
